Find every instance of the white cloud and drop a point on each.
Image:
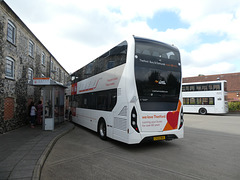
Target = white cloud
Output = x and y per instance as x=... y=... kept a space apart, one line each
x=76 y=32
x=210 y=59
x=194 y=11
x=216 y=23
x=211 y=53
x=210 y=69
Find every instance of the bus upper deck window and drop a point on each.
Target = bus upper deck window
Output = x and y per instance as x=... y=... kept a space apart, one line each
x=173 y=57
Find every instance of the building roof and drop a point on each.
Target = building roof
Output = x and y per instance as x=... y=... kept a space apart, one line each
x=233 y=80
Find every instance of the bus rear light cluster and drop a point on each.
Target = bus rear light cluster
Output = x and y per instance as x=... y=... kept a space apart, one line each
x=181 y=120
x=134 y=119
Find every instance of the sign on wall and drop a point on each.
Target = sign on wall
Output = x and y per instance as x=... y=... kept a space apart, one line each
x=41 y=81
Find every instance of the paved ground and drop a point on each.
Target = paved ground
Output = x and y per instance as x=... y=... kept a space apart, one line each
x=24 y=150
x=221 y=123
x=209 y=150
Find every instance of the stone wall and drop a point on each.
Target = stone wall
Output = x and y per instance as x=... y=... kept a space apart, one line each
x=16 y=89
x=2 y=69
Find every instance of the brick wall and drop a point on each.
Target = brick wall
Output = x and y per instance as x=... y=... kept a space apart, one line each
x=8 y=108
x=233 y=96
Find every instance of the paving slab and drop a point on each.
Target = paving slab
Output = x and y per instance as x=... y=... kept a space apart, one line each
x=24 y=150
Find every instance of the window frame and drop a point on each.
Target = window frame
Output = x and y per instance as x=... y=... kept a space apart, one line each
x=199 y=101
x=51 y=65
x=11 y=38
x=30 y=70
x=202 y=87
x=31 y=48
x=43 y=58
x=12 y=68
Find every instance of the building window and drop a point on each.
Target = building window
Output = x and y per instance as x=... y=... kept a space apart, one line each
x=51 y=65
x=43 y=58
x=58 y=71
x=30 y=74
x=31 y=48
x=60 y=75
x=11 y=30
x=9 y=70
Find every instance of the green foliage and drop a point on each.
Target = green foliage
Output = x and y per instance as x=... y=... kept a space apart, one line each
x=234 y=106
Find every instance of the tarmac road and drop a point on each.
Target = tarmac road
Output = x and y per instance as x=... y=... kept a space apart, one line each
x=209 y=150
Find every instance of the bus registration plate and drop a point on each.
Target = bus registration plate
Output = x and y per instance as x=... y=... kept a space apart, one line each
x=159 y=138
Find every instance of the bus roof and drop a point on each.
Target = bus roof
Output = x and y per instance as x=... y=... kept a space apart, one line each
x=155 y=41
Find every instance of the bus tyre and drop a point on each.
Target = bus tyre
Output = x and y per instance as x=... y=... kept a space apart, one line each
x=102 y=130
x=202 y=111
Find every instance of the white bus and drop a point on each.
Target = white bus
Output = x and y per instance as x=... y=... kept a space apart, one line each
x=205 y=97
x=132 y=93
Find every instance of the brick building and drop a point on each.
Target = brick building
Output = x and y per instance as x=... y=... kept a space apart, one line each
x=22 y=57
x=233 y=83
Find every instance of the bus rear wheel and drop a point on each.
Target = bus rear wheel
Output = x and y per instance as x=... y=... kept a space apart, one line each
x=202 y=111
x=102 y=130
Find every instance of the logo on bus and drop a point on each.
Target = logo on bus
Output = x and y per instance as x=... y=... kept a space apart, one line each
x=160 y=82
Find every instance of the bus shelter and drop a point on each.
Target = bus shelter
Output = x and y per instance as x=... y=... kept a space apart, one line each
x=53 y=94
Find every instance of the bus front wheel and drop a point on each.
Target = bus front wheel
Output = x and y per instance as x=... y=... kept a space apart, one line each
x=202 y=111
x=102 y=130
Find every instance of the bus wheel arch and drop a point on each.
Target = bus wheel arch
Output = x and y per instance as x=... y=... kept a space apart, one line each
x=202 y=111
x=102 y=129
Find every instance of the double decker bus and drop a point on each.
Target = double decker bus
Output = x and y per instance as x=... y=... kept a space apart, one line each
x=131 y=93
x=205 y=97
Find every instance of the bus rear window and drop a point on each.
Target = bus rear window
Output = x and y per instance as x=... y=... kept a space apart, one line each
x=158 y=76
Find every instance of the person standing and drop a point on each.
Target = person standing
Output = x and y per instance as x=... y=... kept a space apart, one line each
x=32 y=114
x=39 y=112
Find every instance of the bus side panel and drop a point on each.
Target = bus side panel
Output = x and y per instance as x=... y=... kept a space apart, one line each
x=122 y=110
x=120 y=113
x=86 y=119
x=90 y=118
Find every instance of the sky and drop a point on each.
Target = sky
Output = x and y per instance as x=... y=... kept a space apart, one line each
x=207 y=32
